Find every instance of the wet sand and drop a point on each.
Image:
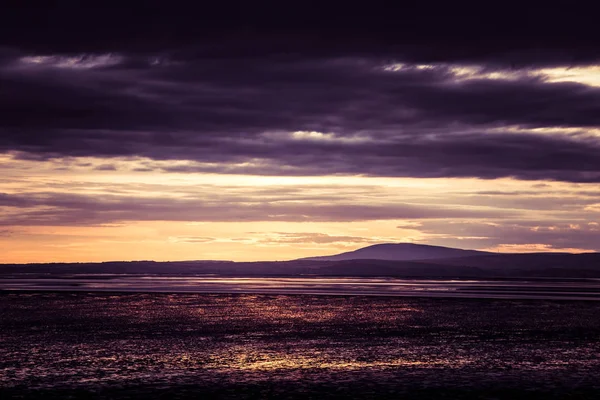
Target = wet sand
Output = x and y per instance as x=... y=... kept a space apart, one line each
x=153 y=345
x=547 y=289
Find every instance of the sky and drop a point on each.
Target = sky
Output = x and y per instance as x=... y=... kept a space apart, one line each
x=155 y=131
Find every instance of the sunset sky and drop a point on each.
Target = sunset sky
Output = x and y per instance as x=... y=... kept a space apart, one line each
x=178 y=136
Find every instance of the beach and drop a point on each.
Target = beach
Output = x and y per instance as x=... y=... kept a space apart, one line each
x=136 y=345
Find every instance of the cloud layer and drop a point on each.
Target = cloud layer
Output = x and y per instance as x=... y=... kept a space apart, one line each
x=306 y=126
x=302 y=117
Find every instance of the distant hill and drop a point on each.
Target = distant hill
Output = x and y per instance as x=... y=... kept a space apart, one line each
x=400 y=252
x=457 y=264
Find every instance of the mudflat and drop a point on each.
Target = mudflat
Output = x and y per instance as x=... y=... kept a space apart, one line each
x=160 y=345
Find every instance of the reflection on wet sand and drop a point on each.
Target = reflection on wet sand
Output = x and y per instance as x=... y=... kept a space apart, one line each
x=52 y=342
x=510 y=289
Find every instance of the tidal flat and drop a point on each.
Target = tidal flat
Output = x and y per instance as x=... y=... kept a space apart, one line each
x=242 y=346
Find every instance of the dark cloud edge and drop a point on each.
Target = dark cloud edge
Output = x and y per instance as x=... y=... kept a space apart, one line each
x=423 y=32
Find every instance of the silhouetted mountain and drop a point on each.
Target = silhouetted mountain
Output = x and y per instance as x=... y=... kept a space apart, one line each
x=480 y=265
x=400 y=252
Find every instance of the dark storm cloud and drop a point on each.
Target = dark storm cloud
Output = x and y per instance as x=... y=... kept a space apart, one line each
x=525 y=101
x=415 y=31
x=409 y=122
x=66 y=209
x=488 y=157
x=225 y=94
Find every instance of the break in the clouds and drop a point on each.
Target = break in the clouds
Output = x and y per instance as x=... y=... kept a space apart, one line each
x=306 y=121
